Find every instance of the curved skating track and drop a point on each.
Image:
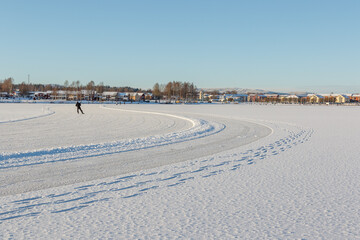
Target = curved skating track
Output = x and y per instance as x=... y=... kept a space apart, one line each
x=120 y=154
x=64 y=147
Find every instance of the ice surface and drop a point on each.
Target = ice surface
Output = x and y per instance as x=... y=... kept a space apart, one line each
x=180 y=171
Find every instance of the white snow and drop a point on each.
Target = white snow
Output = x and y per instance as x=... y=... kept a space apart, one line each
x=9 y=112
x=179 y=171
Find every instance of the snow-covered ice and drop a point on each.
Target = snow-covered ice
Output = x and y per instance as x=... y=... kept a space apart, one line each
x=140 y=171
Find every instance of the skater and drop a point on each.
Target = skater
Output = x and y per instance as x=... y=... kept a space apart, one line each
x=78 y=107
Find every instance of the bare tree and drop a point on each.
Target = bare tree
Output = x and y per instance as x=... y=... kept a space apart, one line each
x=90 y=88
x=66 y=85
x=78 y=85
x=48 y=87
x=55 y=92
x=176 y=89
x=73 y=86
x=168 y=89
x=24 y=89
x=7 y=85
x=185 y=90
x=78 y=92
x=100 y=87
x=156 y=91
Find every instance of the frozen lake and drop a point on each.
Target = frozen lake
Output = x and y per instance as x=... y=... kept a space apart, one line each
x=179 y=171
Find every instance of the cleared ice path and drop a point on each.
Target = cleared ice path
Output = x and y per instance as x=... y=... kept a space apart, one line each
x=200 y=128
x=179 y=138
x=76 y=197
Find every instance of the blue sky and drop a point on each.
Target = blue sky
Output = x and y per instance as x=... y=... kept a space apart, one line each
x=277 y=44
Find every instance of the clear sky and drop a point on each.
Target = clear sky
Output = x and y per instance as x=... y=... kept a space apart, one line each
x=268 y=44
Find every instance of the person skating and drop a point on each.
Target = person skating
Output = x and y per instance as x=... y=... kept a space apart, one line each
x=78 y=107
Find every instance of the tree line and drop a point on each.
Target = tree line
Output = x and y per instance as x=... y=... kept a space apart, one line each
x=172 y=90
x=175 y=90
x=8 y=85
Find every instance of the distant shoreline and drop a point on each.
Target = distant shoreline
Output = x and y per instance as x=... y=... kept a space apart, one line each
x=14 y=101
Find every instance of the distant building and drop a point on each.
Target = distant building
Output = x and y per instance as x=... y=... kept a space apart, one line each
x=109 y=96
x=122 y=97
x=313 y=98
x=201 y=96
x=342 y=99
x=289 y=99
x=233 y=97
x=355 y=98
x=4 y=94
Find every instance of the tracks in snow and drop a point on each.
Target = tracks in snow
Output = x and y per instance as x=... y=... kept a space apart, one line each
x=200 y=128
x=46 y=111
x=130 y=186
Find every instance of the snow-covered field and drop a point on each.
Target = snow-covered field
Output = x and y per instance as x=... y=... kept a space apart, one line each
x=139 y=171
